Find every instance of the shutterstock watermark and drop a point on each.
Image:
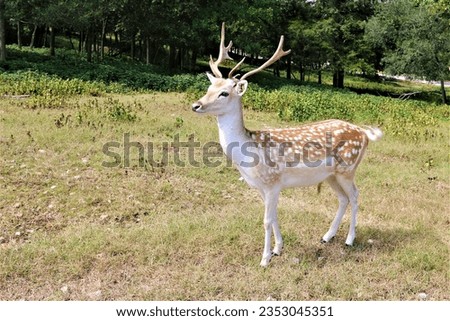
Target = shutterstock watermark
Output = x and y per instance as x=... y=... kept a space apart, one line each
x=193 y=153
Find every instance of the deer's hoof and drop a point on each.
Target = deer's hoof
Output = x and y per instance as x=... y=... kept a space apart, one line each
x=277 y=250
x=324 y=240
x=349 y=241
x=265 y=262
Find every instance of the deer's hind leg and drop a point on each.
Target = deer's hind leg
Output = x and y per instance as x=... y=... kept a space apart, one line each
x=343 y=203
x=348 y=185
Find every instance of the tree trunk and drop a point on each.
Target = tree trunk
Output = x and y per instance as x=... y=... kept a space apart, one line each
x=140 y=49
x=33 y=36
x=88 y=45
x=133 y=47
x=341 y=79
x=338 y=78
x=116 y=39
x=52 y=41
x=276 y=69
x=102 y=39
x=147 y=50
x=302 y=72
x=194 y=59
x=72 y=46
x=172 y=56
x=179 y=59
x=19 y=34
x=288 y=69
x=156 y=50
x=95 y=43
x=444 y=95
x=44 y=38
x=319 y=76
x=80 y=42
x=2 y=31
x=109 y=38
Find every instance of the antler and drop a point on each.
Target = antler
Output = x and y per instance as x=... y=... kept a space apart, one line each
x=230 y=75
x=223 y=54
x=279 y=53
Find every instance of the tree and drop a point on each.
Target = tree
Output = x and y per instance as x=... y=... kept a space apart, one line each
x=25 y=13
x=2 y=32
x=309 y=34
x=415 y=38
x=340 y=26
x=330 y=33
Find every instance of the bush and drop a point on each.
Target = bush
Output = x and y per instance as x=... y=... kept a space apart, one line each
x=119 y=112
x=50 y=80
x=413 y=119
x=39 y=84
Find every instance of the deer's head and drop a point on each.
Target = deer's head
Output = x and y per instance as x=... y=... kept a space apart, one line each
x=223 y=93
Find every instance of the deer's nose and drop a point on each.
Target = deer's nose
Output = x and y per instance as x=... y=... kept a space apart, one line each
x=196 y=106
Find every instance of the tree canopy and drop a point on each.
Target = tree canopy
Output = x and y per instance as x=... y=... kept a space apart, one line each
x=363 y=36
x=415 y=38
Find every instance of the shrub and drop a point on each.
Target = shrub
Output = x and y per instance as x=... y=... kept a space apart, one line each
x=50 y=80
x=412 y=119
x=119 y=112
x=39 y=84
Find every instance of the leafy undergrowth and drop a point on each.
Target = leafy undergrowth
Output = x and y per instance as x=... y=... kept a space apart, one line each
x=50 y=81
x=34 y=72
x=412 y=119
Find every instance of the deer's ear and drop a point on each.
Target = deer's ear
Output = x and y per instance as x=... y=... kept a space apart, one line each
x=211 y=78
x=241 y=87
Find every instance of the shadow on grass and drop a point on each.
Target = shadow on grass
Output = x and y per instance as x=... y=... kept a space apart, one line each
x=417 y=247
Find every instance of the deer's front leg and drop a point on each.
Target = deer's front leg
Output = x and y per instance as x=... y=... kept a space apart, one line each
x=278 y=238
x=271 y=223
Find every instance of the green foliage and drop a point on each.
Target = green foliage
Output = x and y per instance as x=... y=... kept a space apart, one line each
x=118 y=111
x=290 y=100
x=412 y=119
x=93 y=114
x=329 y=34
x=41 y=84
x=415 y=38
x=33 y=73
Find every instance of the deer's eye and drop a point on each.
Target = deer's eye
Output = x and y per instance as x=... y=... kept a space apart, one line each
x=224 y=94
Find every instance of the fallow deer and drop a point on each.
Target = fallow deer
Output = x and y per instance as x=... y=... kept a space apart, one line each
x=273 y=159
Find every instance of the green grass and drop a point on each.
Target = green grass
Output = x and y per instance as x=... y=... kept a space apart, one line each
x=73 y=229
x=384 y=87
x=186 y=233
x=35 y=72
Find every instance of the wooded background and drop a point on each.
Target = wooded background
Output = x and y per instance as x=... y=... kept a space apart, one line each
x=360 y=36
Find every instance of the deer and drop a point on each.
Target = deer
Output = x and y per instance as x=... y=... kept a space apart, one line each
x=271 y=160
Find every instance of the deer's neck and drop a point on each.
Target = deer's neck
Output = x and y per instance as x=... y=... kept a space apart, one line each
x=232 y=134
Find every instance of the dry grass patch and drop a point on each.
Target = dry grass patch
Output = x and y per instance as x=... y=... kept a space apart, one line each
x=73 y=229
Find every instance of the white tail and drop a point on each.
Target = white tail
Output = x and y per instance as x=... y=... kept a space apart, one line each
x=373 y=133
x=273 y=159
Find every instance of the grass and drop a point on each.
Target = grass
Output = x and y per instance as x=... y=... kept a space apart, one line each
x=72 y=229
x=387 y=87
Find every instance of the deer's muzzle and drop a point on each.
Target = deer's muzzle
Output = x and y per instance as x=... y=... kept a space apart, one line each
x=197 y=107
